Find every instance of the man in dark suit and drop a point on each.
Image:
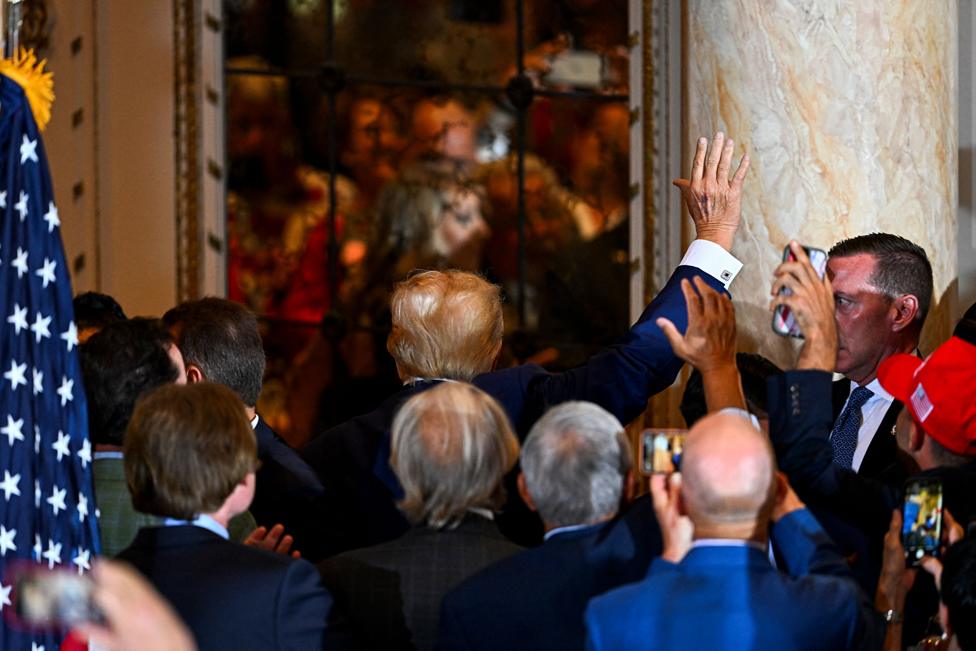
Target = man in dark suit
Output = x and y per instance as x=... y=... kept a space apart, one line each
x=451 y=448
x=883 y=288
x=220 y=342
x=936 y=428
x=714 y=586
x=448 y=325
x=576 y=470
x=190 y=456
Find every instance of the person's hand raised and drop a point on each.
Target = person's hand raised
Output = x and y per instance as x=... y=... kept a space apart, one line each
x=713 y=199
x=811 y=299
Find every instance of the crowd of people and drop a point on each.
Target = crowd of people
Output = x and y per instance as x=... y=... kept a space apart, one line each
x=485 y=506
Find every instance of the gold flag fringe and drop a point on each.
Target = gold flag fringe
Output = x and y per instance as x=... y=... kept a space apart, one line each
x=37 y=83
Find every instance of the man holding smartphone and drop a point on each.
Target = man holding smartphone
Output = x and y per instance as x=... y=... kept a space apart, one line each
x=937 y=426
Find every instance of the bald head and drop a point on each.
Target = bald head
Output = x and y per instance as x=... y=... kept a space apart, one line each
x=727 y=473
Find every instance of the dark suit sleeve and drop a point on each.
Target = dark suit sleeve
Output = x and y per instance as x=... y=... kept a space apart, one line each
x=302 y=608
x=622 y=378
x=805 y=550
x=800 y=420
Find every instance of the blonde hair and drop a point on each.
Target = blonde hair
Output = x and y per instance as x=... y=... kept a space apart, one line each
x=451 y=448
x=445 y=324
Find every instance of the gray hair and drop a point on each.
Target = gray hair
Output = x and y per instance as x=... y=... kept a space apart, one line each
x=575 y=460
x=452 y=446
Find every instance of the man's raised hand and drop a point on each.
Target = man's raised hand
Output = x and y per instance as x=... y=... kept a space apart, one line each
x=709 y=342
x=713 y=199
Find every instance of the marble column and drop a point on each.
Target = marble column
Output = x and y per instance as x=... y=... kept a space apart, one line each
x=848 y=111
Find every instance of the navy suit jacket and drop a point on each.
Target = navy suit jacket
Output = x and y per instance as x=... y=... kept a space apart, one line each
x=232 y=596
x=535 y=599
x=733 y=598
x=352 y=459
x=855 y=509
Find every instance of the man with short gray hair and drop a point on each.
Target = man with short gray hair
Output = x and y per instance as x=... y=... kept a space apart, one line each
x=576 y=472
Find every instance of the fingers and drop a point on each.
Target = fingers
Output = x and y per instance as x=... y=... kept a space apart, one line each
x=674 y=488
x=659 y=493
x=740 y=173
x=681 y=184
x=934 y=567
x=698 y=167
x=725 y=162
x=954 y=530
x=711 y=166
x=671 y=333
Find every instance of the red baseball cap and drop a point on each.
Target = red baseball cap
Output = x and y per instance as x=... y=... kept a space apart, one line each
x=939 y=392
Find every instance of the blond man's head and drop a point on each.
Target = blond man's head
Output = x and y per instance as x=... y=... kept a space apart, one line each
x=446 y=324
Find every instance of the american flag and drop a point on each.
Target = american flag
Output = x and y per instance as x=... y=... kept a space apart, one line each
x=46 y=502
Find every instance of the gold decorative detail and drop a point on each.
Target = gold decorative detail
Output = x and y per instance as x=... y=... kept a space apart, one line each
x=38 y=84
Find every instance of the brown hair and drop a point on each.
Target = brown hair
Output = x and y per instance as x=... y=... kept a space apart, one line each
x=186 y=448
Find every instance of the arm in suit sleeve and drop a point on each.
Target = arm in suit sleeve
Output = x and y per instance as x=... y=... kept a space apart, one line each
x=303 y=608
x=621 y=378
x=451 y=635
x=806 y=549
x=800 y=420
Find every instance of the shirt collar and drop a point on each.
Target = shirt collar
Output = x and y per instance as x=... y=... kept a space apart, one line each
x=567 y=529
x=202 y=521
x=255 y=421
x=727 y=542
x=874 y=386
x=107 y=454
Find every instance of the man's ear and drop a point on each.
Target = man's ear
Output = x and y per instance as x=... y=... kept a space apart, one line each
x=524 y=493
x=904 y=311
x=194 y=374
x=916 y=437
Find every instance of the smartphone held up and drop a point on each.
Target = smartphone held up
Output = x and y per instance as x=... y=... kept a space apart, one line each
x=784 y=321
x=660 y=450
x=921 y=533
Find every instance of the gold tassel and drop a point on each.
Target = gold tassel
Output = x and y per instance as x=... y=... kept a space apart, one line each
x=37 y=83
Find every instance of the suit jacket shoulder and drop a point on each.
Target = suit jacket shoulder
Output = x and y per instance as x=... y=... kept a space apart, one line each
x=232 y=596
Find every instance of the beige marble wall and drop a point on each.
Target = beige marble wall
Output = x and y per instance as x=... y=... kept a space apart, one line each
x=848 y=110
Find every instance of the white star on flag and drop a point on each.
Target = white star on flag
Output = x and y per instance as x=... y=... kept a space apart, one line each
x=20 y=262
x=38 y=548
x=37 y=439
x=51 y=216
x=84 y=454
x=38 y=381
x=53 y=554
x=61 y=446
x=3 y=199
x=21 y=205
x=70 y=336
x=28 y=150
x=37 y=494
x=7 y=540
x=40 y=327
x=65 y=390
x=16 y=374
x=18 y=319
x=57 y=500
x=10 y=485
x=82 y=560
x=12 y=430
x=46 y=273
x=4 y=595
x=37 y=647
x=82 y=506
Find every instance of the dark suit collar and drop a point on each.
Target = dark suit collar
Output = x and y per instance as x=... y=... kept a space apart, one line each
x=745 y=556
x=175 y=536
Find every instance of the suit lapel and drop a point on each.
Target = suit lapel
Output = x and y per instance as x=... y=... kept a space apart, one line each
x=841 y=390
x=883 y=449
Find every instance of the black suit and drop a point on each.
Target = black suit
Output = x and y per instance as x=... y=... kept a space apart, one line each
x=393 y=591
x=536 y=598
x=232 y=596
x=799 y=427
x=287 y=491
x=352 y=459
x=883 y=449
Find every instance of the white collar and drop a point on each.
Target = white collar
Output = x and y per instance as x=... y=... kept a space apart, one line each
x=874 y=386
x=202 y=521
x=255 y=421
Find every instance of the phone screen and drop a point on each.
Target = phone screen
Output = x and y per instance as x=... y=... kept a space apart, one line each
x=921 y=531
x=57 y=599
x=784 y=323
x=661 y=450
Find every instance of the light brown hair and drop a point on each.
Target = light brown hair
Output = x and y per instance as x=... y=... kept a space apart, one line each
x=446 y=324
x=186 y=448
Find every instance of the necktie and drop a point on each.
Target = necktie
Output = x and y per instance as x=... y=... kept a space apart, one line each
x=843 y=438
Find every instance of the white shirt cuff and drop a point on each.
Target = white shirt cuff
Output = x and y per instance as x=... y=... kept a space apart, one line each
x=713 y=260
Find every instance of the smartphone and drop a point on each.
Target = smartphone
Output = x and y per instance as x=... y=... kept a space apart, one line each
x=52 y=599
x=660 y=450
x=784 y=322
x=921 y=532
